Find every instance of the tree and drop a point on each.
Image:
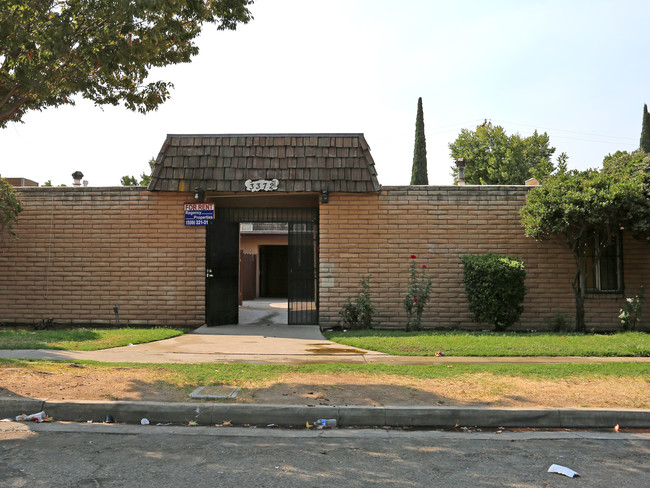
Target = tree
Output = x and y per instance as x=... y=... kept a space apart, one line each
x=419 y=172
x=145 y=178
x=494 y=158
x=636 y=163
x=583 y=206
x=10 y=207
x=645 y=130
x=51 y=50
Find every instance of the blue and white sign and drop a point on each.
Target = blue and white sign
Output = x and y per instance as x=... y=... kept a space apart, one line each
x=199 y=213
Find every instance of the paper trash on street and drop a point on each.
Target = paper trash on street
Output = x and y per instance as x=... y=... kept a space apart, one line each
x=556 y=468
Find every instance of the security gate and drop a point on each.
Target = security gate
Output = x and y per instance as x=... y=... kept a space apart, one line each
x=222 y=273
x=222 y=244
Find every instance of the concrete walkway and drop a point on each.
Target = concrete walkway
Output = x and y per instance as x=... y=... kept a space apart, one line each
x=263 y=336
x=272 y=344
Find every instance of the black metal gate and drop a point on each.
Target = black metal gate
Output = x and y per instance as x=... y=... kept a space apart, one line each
x=222 y=273
x=303 y=273
x=302 y=269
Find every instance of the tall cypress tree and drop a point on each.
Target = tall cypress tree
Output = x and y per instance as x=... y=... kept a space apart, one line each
x=419 y=171
x=645 y=130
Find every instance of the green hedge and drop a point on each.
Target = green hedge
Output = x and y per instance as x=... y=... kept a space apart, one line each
x=495 y=287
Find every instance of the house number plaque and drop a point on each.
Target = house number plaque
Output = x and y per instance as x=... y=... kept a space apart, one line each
x=262 y=185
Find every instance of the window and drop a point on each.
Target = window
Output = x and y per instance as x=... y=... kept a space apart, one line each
x=604 y=264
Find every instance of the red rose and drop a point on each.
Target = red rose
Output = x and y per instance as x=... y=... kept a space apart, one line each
x=413 y=256
x=415 y=299
x=424 y=265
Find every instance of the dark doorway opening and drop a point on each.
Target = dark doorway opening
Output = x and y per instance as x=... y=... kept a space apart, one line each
x=274 y=271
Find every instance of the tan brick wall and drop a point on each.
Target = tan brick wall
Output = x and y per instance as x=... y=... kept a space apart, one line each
x=375 y=234
x=80 y=251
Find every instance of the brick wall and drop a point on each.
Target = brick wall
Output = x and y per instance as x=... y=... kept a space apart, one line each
x=80 y=251
x=375 y=234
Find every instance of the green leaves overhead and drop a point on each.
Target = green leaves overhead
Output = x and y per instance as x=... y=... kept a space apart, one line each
x=51 y=50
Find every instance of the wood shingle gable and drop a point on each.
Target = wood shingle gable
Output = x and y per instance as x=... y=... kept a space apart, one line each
x=300 y=162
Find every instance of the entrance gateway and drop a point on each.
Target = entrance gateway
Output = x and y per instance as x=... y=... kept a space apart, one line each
x=263 y=178
x=222 y=262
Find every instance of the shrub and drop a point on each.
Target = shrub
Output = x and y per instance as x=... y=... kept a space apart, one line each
x=357 y=314
x=631 y=312
x=417 y=294
x=561 y=323
x=495 y=287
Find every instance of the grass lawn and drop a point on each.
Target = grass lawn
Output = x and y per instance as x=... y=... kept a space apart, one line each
x=236 y=373
x=82 y=339
x=612 y=385
x=458 y=343
x=244 y=373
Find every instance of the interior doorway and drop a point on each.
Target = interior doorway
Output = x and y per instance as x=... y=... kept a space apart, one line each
x=274 y=271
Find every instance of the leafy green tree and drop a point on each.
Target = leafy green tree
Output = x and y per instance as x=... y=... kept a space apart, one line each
x=419 y=171
x=129 y=181
x=645 y=130
x=51 y=50
x=578 y=206
x=493 y=157
x=636 y=163
x=145 y=178
x=10 y=207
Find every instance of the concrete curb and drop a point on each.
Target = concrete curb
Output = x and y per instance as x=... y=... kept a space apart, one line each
x=346 y=416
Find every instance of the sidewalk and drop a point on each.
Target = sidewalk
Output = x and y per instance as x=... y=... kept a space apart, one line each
x=271 y=343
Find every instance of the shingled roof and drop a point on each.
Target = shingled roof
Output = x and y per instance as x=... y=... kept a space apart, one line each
x=300 y=162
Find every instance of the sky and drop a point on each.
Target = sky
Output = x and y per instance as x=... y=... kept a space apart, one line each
x=578 y=70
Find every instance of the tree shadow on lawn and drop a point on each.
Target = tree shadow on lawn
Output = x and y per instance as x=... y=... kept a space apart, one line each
x=58 y=387
x=43 y=339
x=350 y=394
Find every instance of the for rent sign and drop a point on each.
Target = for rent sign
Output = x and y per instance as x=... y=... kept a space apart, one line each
x=198 y=213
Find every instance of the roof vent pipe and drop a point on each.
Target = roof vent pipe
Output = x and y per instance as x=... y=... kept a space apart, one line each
x=76 y=177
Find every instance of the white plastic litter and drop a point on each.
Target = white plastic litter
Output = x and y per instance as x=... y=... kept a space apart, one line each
x=36 y=417
x=325 y=423
x=144 y=422
x=556 y=468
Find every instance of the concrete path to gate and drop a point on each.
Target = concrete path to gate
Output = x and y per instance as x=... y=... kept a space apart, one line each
x=263 y=336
